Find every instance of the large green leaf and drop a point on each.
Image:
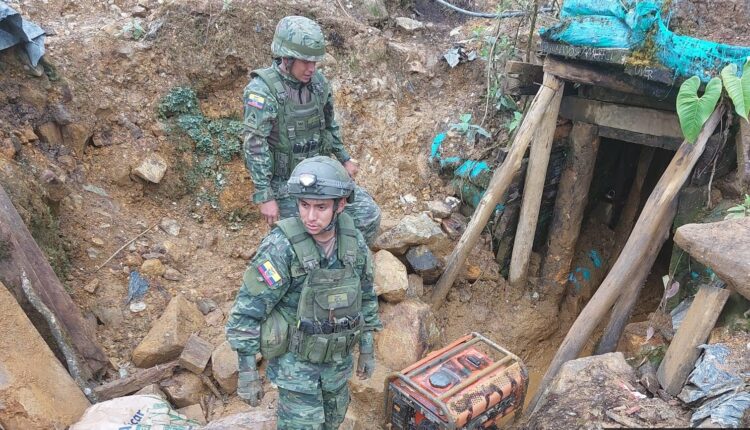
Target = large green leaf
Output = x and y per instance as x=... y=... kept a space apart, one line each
x=746 y=86
x=733 y=84
x=694 y=111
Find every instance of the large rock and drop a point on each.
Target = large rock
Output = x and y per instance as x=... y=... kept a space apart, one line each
x=424 y=263
x=722 y=246
x=412 y=230
x=256 y=420
x=50 y=134
x=152 y=168
x=169 y=333
x=225 y=365
x=36 y=391
x=184 y=389
x=589 y=389
x=390 y=277
x=409 y=330
x=76 y=137
x=373 y=11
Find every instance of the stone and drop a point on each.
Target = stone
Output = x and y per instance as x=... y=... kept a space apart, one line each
x=132 y=260
x=390 y=278
x=412 y=230
x=183 y=389
x=76 y=137
x=153 y=267
x=633 y=343
x=424 y=263
x=36 y=390
x=408 y=24
x=723 y=246
x=215 y=318
x=110 y=316
x=170 y=332
x=416 y=286
x=26 y=135
x=54 y=185
x=196 y=354
x=173 y=275
x=455 y=226
x=194 y=412
x=139 y=11
x=50 y=134
x=206 y=305
x=67 y=162
x=373 y=11
x=170 y=226
x=225 y=366
x=587 y=390
x=409 y=331
x=258 y=419
x=152 y=168
x=152 y=390
x=481 y=264
x=91 y=286
x=33 y=96
x=7 y=149
x=439 y=209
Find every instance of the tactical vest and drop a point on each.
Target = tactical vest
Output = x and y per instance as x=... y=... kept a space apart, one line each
x=329 y=318
x=300 y=126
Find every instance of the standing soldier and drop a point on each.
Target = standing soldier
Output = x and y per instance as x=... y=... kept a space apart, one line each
x=306 y=300
x=289 y=117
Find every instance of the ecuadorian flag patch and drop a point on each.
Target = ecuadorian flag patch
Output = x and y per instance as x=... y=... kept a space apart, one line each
x=256 y=101
x=269 y=274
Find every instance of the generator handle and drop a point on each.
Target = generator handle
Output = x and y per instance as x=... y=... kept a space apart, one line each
x=474 y=378
x=496 y=346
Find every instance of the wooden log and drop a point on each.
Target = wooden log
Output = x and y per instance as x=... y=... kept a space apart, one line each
x=196 y=354
x=536 y=173
x=134 y=382
x=497 y=187
x=654 y=215
x=630 y=99
x=742 y=143
x=680 y=358
x=26 y=256
x=570 y=204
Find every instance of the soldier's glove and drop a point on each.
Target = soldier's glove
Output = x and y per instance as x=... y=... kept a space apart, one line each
x=366 y=363
x=249 y=387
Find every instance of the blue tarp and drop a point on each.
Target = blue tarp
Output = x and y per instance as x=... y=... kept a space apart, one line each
x=15 y=30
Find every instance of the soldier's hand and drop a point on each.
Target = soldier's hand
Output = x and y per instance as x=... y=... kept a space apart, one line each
x=352 y=167
x=249 y=387
x=366 y=362
x=270 y=211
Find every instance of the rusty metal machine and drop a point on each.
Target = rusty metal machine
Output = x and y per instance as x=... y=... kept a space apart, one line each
x=470 y=384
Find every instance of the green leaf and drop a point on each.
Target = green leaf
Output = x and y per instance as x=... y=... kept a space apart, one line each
x=733 y=84
x=746 y=86
x=694 y=111
x=512 y=125
x=465 y=118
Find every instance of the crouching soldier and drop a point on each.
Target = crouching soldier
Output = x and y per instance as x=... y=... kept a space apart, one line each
x=306 y=300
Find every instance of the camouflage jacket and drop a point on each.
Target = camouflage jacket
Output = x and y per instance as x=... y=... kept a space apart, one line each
x=260 y=111
x=253 y=304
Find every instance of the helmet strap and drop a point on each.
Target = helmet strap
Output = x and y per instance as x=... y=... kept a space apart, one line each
x=334 y=218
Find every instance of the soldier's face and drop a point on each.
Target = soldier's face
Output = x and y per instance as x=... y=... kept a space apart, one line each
x=302 y=70
x=317 y=214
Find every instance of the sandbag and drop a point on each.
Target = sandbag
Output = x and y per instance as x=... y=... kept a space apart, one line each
x=140 y=412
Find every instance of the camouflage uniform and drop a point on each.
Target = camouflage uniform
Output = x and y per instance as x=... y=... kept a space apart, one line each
x=287 y=120
x=311 y=396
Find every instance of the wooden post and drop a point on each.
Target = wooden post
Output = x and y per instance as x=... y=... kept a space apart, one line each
x=532 y=193
x=497 y=187
x=680 y=358
x=632 y=259
x=26 y=256
x=570 y=203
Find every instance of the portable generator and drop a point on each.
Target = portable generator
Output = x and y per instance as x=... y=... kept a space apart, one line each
x=470 y=384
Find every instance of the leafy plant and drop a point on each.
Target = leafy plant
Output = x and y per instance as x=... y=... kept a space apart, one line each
x=515 y=122
x=738 y=88
x=693 y=111
x=465 y=127
x=740 y=211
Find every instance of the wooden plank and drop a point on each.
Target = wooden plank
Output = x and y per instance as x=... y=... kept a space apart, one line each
x=700 y=319
x=530 y=72
x=612 y=96
x=742 y=142
x=134 y=382
x=587 y=53
x=615 y=80
x=632 y=259
x=570 y=203
x=533 y=188
x=498 y=186
x=668 y=143
x=25 y=255
x=630 y=118
x=196 y=354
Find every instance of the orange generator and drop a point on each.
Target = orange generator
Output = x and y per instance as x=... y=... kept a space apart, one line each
x=470 y=384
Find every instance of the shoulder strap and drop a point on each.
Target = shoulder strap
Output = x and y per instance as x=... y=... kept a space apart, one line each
x=302 y=242
x=319 y=88
x=273 y=81
x=347 y=239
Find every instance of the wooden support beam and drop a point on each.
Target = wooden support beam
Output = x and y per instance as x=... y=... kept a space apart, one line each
x=570 y=203
x=536 y=173
x=742 y=143
x=632 y=259
x=594 y=75
x=26 y=256
x=134 y=382
x=629 y=99
x=664 y=142
x=700 y=319
x=498 y=185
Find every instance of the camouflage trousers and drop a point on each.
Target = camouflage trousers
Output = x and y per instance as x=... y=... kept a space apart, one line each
x=311 y=396
x=363 y=209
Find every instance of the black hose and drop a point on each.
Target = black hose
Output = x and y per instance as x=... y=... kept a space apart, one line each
x=507 y=14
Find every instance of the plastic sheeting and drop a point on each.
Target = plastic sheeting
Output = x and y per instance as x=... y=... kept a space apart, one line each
x=15 y=30
x=725 y=394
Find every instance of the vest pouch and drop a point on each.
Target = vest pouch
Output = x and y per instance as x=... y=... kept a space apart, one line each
x=340 y=301
x=315 y=349
x=339 y=347
x=274 y=336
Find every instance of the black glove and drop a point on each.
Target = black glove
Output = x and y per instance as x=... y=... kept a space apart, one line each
x=366 y=362
x=249 y=387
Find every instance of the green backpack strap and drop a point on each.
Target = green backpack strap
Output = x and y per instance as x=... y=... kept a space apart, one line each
x=319 y=88
x=273 y=81
x=303 y=244
x=347 y=233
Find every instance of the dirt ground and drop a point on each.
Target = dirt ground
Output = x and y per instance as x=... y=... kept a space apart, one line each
x=393 y=94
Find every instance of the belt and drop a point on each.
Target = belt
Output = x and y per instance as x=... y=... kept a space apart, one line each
x=328 y=327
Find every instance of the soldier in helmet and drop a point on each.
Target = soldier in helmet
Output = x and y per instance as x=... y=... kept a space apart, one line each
x=305 y=301
x=289 y=117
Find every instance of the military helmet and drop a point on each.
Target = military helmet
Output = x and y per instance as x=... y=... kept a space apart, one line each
x=298 y=37
x=320 y=178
